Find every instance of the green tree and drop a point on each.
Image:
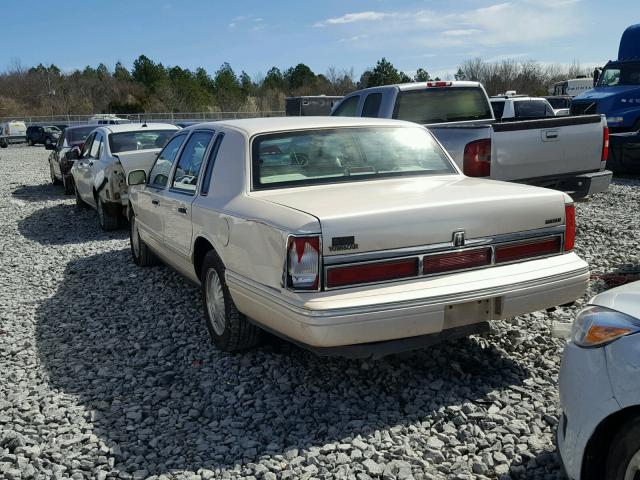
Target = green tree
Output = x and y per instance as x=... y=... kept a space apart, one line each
x=460 y=75
x=274 y=80
x=421 y=76
x=120 y=73
x=228 y=88
x=299 y=76
x=148 y=73
x=385 y=73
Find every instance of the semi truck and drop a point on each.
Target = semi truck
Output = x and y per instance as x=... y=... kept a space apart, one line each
x=616 y=92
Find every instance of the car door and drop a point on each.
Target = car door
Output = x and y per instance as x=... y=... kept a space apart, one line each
x=176 y=207
x=80 y=168
x=150 y=195
x=55 y=156
x=92 y=169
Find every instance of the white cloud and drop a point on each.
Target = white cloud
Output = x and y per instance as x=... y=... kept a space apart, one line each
x=354 y=39
x=460 y=32
x=353 y=18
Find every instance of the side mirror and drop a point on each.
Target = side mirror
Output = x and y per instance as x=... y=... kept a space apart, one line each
x=72 y=154
x=50 y=146
x=137 y=177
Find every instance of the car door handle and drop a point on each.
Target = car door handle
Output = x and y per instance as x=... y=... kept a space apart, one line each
x=182 y=210
x=552 y=134
x=155 y=202
x=91 y=164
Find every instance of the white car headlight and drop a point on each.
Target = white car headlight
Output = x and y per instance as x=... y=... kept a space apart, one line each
x=596 y=326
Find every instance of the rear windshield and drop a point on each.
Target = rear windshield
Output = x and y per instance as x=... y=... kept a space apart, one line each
x=344 y=155
x=77 y=135
x=141 y=140
x=435 y=105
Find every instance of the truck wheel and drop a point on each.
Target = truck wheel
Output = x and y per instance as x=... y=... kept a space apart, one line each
x=67 y=184
x=229 y=329
x=623 y=460
x=80 y=204
x=141 y=253
x=54 y=180
x=30 y=142
x=3 y=144
x=108 y=220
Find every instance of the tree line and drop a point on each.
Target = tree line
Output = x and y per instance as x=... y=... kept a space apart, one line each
x=150 y=86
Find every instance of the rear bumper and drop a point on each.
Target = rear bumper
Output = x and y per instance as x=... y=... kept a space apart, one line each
x=402 y=310
x=578 y=184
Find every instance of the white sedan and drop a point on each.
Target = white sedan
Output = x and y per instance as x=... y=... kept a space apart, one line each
x=599 y=431
x=345 y=235
x=108 y=154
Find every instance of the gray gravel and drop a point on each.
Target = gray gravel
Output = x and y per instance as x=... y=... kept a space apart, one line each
x=106 y=370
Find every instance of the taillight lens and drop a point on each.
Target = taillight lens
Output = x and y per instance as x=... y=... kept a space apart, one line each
x=527 y=249
x=372 y=272
x=605 y=144
x=447 y=262
x=303 y=263
x=477 y=158
x=570 y=226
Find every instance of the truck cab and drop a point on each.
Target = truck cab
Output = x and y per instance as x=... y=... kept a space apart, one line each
x=616 y=92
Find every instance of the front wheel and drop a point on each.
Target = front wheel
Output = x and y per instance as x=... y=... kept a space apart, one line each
x=623 y=461
x=108 y=220
x=229 y=329
x=80 y=204
x=67 y=184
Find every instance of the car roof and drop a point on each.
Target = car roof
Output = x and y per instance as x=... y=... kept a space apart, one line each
x=135 y=127
x=254 y=126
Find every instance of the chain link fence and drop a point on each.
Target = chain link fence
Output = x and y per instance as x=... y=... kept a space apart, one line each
x=143 y=117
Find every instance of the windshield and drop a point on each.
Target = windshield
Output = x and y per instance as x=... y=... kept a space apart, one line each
x=620 y=74
x=435 y=105
x=140 y=140
x=350 y=154
x=80 y=134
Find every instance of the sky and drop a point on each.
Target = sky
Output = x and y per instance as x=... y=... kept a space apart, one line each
x=253 y=35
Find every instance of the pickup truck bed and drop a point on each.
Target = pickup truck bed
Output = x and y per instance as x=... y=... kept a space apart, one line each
x=567 y=153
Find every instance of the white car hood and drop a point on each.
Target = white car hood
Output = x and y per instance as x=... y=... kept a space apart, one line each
x=625 y=299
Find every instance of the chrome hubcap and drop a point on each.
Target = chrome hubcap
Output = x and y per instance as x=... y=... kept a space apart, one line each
x=633 y=468
x=215 y=301
x=135 y=237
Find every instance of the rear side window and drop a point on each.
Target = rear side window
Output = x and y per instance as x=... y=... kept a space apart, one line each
x=348 y=107
x=442 y=104
x=530 y=109
x=159 y=175
x=186 y=174
x=206 y=179
x=498 y=109
x=371 y=106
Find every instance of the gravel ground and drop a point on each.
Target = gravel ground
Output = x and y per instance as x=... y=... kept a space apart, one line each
x=106 y=370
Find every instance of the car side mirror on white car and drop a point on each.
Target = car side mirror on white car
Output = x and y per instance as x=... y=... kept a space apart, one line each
x=137 y=177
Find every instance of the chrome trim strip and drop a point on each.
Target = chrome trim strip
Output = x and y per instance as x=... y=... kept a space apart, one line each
x=268 y=294
x=437 y=247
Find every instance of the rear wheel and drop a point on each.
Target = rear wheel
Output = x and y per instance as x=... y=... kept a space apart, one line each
x=142 y=255
x=229 y=329
x=30 y=142
x=108 y=220
x=623 y=461
x=54 y=179
x=67 y=183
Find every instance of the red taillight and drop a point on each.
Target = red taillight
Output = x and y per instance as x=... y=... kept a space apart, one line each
x=372 y=272
x=439 y=84
x=527 y=249
x=447 y=262
x=477 y=158
x=570 y=227
x=605 y=144
x=303 y=263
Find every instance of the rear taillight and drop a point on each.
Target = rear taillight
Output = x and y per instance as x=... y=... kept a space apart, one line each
x=527 y=249
x=570 y=226
x=477 y=158
x=605 y=144
x=448 y=262
x=303 y=263
x=372 y=272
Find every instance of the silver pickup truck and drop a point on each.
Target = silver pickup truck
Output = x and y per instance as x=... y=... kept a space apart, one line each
x=566 y=153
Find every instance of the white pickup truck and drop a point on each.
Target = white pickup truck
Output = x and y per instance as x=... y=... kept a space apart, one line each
x=566 y=153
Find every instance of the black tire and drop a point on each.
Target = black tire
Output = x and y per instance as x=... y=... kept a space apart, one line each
x=67 y=184
x=30 y=142
x=54 y=180
x=4 y=144
x=624 y=448
x=108 y=220
x=236 y=333
x=140 y=252
x=80 y=204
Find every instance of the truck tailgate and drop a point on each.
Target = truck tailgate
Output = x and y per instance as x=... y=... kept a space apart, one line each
x=535 y=149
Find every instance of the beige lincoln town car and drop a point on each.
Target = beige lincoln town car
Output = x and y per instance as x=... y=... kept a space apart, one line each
x=347 y=236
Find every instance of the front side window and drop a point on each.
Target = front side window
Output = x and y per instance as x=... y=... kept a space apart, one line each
x=530 y=109
x=96 y=147
x=139 y=140
x=188 y=169
x=344 y=155
x=87 y=146
x=442 y=104
x=348 y=107
x=159 y=175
